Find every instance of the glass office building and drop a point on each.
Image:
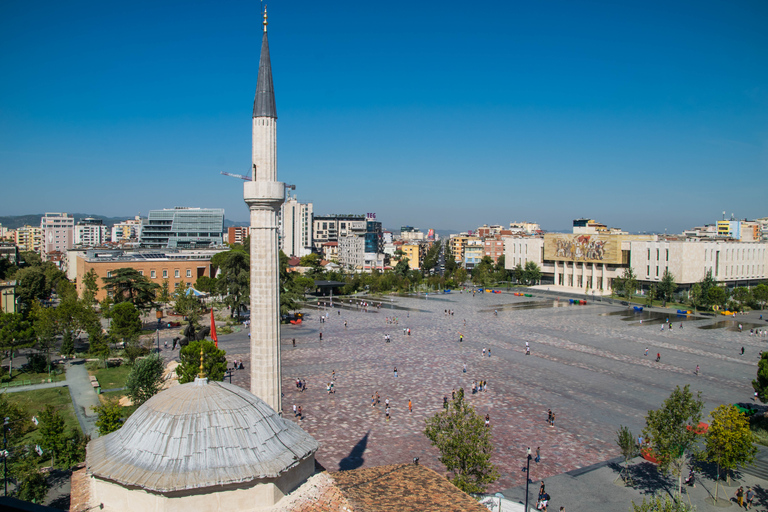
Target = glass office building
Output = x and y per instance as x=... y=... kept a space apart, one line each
x=183 y=228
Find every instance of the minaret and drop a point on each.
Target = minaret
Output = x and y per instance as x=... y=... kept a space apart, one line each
x=264 y=195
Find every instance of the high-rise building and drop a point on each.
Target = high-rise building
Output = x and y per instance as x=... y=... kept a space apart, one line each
x=330 y=228
x=183 y=228
x=352 y=252
x=58 y=233
x=236 y=235
x=90 y=232
x=296 y=227
x=374 y=238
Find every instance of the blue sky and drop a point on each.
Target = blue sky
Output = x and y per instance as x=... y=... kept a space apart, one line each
x=644 y=115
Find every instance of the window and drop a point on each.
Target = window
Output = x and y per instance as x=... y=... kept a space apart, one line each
x=176 y=285
x=667 y=254
x=189 y=272
x=648 y=270
x=657 y=271
x=141 y=272
x=165 y=274
x=176 y=273
x=152 y=274
x=109 y=274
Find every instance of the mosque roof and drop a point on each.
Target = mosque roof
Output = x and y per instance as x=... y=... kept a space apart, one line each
x=264 y=103
x=199 y=435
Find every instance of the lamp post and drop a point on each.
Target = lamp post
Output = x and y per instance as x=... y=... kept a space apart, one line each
x=527 y=476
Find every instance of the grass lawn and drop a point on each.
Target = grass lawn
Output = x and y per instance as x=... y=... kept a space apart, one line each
x=35 y=401
x=36 y=378
x=112 y=377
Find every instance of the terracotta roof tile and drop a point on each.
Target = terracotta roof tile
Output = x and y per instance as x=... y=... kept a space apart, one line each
x=403 y=488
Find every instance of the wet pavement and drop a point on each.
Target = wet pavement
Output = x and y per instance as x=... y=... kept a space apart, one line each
x=587 y=364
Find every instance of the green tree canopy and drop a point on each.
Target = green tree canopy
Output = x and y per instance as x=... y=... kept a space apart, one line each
x=214 y=362
x=126 y=322
x=187 y=304
x=716 y=296
x=729 y=442
x=234 y=279
x=672 y=429
x=15 y=333
x=532 y=274
x=128 y=285
x=662 y=503
x=109 y=417
x=465 y=445
x=760 y=294
x=145 y=378
x=667 y=287
x=760 y=384
x=90 y=288
x=51 y=432
x=628 y=446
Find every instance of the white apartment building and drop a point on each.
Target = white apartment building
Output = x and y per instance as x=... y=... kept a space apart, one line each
x=58 y=233
x=331 y=228
x=90 y=233
x=296 y=227
x=352 y=251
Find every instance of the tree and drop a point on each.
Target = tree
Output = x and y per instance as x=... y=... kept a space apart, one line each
x=205 y=284
x=695 y=295
x=532 y=274
x=729 y=442
x=628 y=446
x=126 y=322
x=98 y=345
x=667 y=287
x=519 y=273
x=51 y=435
x=705 y=284
x=431 y=258
x=31 y=285
x=32 y=485
x=760 y=294
x=672 y=430
x=185 y=303
x=45 y=324
x=234 y=280
x=742 y=295
x=402 y=267
x=90 y=288
x=650 y=295
x=164 y=296
x=716 y=296
x=661 y=503
x=629 y=283
x=144 y=380
x=311 y=260
x=214 y=362
x=465 y=445
x=109 y=417
x=18 y=419
x=15 y=333
x=760 y=385
x=128 y=285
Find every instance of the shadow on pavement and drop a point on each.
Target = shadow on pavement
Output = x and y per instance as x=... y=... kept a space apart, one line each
x=355 y=458
x=647 y=478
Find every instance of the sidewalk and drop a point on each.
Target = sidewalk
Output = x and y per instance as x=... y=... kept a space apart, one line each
x=595 y=488
x=84 y=397
x=18 y=389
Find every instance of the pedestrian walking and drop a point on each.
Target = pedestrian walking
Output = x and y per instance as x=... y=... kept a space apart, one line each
x=301 y=415
x=646 y=351
x=487 y=420
x=294 y=410
x=658 y=357
x=549 y=416
x=465 y=367
x=294 y=342
x=742 y=350
x=321 y=336
x=386 y=412
x=489 y=351
x=395 y=371
x=697 y=369
x=538 y=454
x=410 y=405
x=740 y=496
x=750 y=496
x=552 y=423
x=483 y=351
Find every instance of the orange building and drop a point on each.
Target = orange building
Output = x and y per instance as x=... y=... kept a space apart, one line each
x=176 y=267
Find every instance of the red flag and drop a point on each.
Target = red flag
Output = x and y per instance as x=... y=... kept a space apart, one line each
x=213 y=330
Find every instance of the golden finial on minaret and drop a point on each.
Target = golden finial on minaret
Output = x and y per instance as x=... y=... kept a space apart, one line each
x=201 y=375
x=265 y=18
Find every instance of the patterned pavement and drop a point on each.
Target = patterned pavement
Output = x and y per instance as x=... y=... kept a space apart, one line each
x=587 y=364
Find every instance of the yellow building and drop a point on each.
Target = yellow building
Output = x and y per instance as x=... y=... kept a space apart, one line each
x=29 y=238
x=412 y=252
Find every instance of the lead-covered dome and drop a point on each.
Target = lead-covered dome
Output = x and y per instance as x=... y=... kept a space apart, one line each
x=199 y=435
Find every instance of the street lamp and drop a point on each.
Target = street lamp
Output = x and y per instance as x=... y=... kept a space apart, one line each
x=527 y=477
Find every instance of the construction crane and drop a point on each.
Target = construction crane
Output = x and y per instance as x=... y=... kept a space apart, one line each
x=241 y=176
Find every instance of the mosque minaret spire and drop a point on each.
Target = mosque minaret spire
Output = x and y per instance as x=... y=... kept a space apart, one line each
x=264 y=195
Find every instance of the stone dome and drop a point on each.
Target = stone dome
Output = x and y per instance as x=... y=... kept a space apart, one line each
x=199 y=435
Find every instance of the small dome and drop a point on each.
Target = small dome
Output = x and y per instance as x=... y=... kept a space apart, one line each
x=199 y=435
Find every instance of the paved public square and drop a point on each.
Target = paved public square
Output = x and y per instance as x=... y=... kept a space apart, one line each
x=587 y=364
